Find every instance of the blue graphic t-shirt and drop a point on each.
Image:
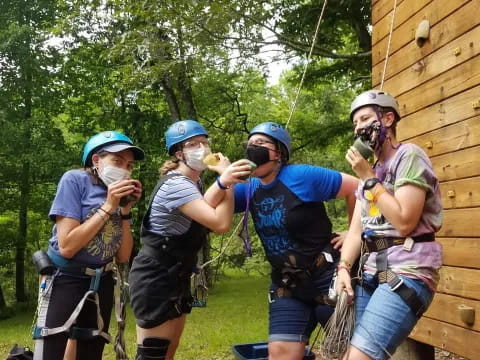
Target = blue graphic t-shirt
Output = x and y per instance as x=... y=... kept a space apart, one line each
x=79 y=198
x=289 y=214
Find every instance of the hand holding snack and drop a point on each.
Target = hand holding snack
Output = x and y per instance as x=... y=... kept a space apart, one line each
x=212 y=159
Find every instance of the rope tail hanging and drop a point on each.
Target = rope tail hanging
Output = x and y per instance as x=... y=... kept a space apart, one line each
x=314 y=40
x=387 y=55
x=339 y=330
x=120 y=312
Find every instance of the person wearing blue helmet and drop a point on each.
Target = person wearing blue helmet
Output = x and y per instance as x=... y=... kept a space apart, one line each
x=174 y=229
x=92 y=212
x=287 y=206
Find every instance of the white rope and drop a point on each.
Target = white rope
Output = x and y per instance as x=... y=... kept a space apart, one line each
x=387 y=55
x=314 y=40
x=224 y=248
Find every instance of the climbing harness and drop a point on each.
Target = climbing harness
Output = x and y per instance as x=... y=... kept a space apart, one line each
x=380 y=245
x=314 y=40
x=62 y=265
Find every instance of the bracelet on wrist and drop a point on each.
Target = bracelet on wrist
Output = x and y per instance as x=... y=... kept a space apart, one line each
x=105 y=211
x=345 y=264
x=126 y=216
x=102 y=216
x=220 y=184
x=340 y=267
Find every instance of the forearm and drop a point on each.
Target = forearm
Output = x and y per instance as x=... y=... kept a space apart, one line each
x=214 y=195
x=72 y=238
x=224 y=211
x=404 y=218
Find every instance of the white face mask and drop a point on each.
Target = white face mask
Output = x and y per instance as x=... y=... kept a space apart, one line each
x=110 y=174
x=194 y=158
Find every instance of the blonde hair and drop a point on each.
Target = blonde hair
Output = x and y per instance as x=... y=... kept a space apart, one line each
x=169 y=165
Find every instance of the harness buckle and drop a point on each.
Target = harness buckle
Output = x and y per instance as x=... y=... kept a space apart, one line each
x=395 y=283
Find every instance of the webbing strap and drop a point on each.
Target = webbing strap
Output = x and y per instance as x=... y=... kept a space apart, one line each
x=396 y=284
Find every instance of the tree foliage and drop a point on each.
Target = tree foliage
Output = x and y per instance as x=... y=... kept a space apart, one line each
x=69 y=69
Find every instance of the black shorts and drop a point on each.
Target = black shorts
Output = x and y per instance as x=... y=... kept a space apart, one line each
x=157 y=292
x=66 y=293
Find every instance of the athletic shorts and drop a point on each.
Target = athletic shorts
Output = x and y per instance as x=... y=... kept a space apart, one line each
x=383 y=320
x=294 y=318
x=158 y=293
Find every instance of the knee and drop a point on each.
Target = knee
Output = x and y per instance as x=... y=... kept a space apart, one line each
x=152 y=348
x=277 y=349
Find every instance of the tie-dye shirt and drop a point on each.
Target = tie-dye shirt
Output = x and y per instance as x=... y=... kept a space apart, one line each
x=409 y=166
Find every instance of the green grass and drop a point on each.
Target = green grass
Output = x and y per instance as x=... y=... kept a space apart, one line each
x=236 y=312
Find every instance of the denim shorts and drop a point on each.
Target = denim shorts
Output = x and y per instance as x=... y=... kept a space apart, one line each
x=382 y=319
x=294 y=318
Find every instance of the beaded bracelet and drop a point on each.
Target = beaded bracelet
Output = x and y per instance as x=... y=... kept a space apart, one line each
x=220 y=184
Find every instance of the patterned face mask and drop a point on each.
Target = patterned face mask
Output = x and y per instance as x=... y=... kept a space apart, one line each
x=371 y=134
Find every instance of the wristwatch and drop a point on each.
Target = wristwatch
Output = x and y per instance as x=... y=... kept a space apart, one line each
x=370 y=183
x=126 y=216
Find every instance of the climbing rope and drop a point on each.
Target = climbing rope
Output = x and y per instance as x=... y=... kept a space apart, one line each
x=314 y=40
x=339 y=329
x=120 y=312
x=387 y=55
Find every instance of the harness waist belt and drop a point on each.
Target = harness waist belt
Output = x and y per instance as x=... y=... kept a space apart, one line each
x=72 y=267
x=375 y=244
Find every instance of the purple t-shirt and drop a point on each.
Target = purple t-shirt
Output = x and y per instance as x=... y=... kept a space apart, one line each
x=79 y=198
x=409 y=166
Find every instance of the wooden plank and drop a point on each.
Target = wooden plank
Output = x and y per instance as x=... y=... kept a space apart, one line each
x=446 y=112
x=460 y=223
x=448 y=337
x=446 y=308
x=406 y=32
x=458 y=136
x=436 y=63
x=463 y=252
x=405 y=11
x=447 y=84
x=450 y=28
x=457 y=165
x=459 y=282
x=461 y=194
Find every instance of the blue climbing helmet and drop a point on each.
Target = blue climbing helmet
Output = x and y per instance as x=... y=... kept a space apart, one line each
x=109 y=141
x=275 y=131
x=181 y=131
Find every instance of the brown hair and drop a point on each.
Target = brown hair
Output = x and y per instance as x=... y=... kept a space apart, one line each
x=169 y=165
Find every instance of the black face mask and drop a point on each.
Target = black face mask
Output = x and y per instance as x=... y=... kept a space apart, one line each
x=258 y=154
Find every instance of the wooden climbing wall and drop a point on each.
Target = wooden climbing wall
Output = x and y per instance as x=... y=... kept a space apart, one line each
x=438 y=88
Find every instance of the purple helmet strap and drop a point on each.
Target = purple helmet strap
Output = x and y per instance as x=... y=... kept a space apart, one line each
x=383 y=130
x=244 y=235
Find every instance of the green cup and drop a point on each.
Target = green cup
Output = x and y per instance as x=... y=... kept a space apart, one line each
x=253 y=166
x=363 y=148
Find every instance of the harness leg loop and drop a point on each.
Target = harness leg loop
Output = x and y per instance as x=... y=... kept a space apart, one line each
x=152 y=348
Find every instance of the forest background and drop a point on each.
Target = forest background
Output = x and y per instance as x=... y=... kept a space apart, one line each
x=69 y=69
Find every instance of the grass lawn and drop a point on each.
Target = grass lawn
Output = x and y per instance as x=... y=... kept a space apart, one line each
x=236 y=313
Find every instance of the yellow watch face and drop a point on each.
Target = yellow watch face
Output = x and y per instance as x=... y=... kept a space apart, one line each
x=368 y=195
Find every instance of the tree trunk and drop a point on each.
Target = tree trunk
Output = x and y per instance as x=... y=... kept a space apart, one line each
x=413 y=350
x=3 y=303
x=184 y=84
x=170 y=97
x=22 y=234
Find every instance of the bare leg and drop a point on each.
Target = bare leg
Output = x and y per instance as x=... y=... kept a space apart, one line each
x=286 y=350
